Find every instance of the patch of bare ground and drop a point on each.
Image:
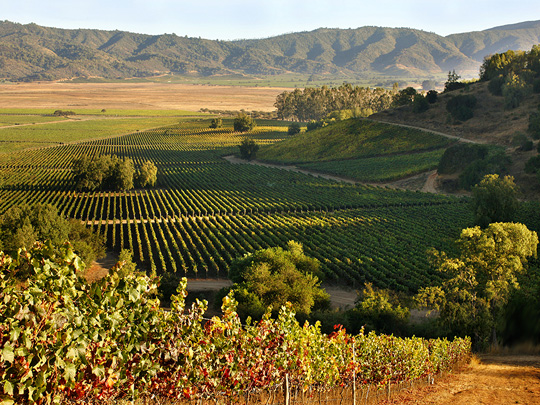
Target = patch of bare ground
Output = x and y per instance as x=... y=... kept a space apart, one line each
x=489 y=379
x=100 y=268
x=152 y=96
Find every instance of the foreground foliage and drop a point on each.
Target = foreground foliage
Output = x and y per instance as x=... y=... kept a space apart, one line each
x=61 y=338
x=480 y=279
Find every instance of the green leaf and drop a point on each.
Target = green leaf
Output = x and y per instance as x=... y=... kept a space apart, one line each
x=6 y=401
x=7 y=354
x=70 y=372
x=8 y=388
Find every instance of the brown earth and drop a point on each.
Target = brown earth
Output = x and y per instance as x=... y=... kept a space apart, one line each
x=151 y=96
x=491 y=379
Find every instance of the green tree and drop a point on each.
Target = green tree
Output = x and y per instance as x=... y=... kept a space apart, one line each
x=480 y=279
x=21 y=226
x=274 y=276
x=377 y=310
x=147 y=175
x=243 y=123
x=216 y=123
x=494 y=199
x=420 y=104
x=248 y=148
x=453 y=83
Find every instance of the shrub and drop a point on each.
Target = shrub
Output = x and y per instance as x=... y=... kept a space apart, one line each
x=495 y=85
x=248 y=149
x=534 y=125
x=459 y=156
x=216 y=123
x=461 y=107
x=294 y=128
x=420 y=104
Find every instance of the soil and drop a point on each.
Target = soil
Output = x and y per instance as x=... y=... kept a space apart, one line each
x=489 y=379
x=147 y=96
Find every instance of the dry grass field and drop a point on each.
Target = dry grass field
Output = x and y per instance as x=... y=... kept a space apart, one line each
x=147 y=96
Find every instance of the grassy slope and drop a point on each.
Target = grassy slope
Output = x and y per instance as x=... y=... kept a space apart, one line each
x=350 y=139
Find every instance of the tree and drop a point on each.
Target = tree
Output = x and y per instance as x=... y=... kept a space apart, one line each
x=216 y=123
x=479 y=279
x=431 y=96
x=21 y=226
x=274 y=276
x=248 y=148
x=243 y=123
x=420 y=104
x=404 y=97
x=147 y=174
x=453 y=82
x=377 y=310
x=494 y=199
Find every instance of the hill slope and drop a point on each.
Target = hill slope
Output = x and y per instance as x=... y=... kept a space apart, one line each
x=31 y=52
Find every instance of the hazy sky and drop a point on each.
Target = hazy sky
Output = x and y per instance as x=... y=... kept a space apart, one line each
x=235 y=19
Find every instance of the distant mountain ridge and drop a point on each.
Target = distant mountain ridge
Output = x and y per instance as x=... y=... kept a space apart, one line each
x=32 y=52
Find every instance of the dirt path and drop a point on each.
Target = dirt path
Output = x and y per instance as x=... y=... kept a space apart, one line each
x=458 y=138
x=429 y=186
x=291 y=168
x=491 y=380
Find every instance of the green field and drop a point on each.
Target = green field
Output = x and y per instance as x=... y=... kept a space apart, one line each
x=205 y=211
x=382 y=168
x=15 y=138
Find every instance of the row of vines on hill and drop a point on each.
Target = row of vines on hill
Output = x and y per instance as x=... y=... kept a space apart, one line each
x=63 y=339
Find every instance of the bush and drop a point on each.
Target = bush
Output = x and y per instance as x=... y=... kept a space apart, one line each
x=534 y=125
x=473 y=173
x=461 y=107
x=536 y=86
x=420 y=104
x=216 y=123
x=294 y=128
x=495 y=85
x=248 y=149
x=456 y=157
x=532 y=165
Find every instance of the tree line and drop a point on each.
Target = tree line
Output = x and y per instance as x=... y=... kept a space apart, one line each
x=109 y=172
x=317 y=103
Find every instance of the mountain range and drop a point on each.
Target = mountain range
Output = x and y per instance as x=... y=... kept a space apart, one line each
x=31 y=52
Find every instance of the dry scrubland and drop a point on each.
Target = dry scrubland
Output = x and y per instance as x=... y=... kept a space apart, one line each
x=158 y=96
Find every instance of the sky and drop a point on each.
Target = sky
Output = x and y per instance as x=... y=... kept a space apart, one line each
x=239 y=19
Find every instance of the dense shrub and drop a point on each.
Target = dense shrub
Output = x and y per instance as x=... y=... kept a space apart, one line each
x=248 y=149
x=495 y=85
x=456 y=157
x=461 y=107
x=216 y=123
x=294 y=128
x=420 y=104
x=534 y=125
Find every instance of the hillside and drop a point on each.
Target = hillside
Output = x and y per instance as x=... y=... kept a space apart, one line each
x=491 y=124
x=350 y=139
x=32 y=52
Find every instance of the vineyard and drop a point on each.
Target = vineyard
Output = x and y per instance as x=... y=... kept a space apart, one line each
x=111 y=340
x=205 y=212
